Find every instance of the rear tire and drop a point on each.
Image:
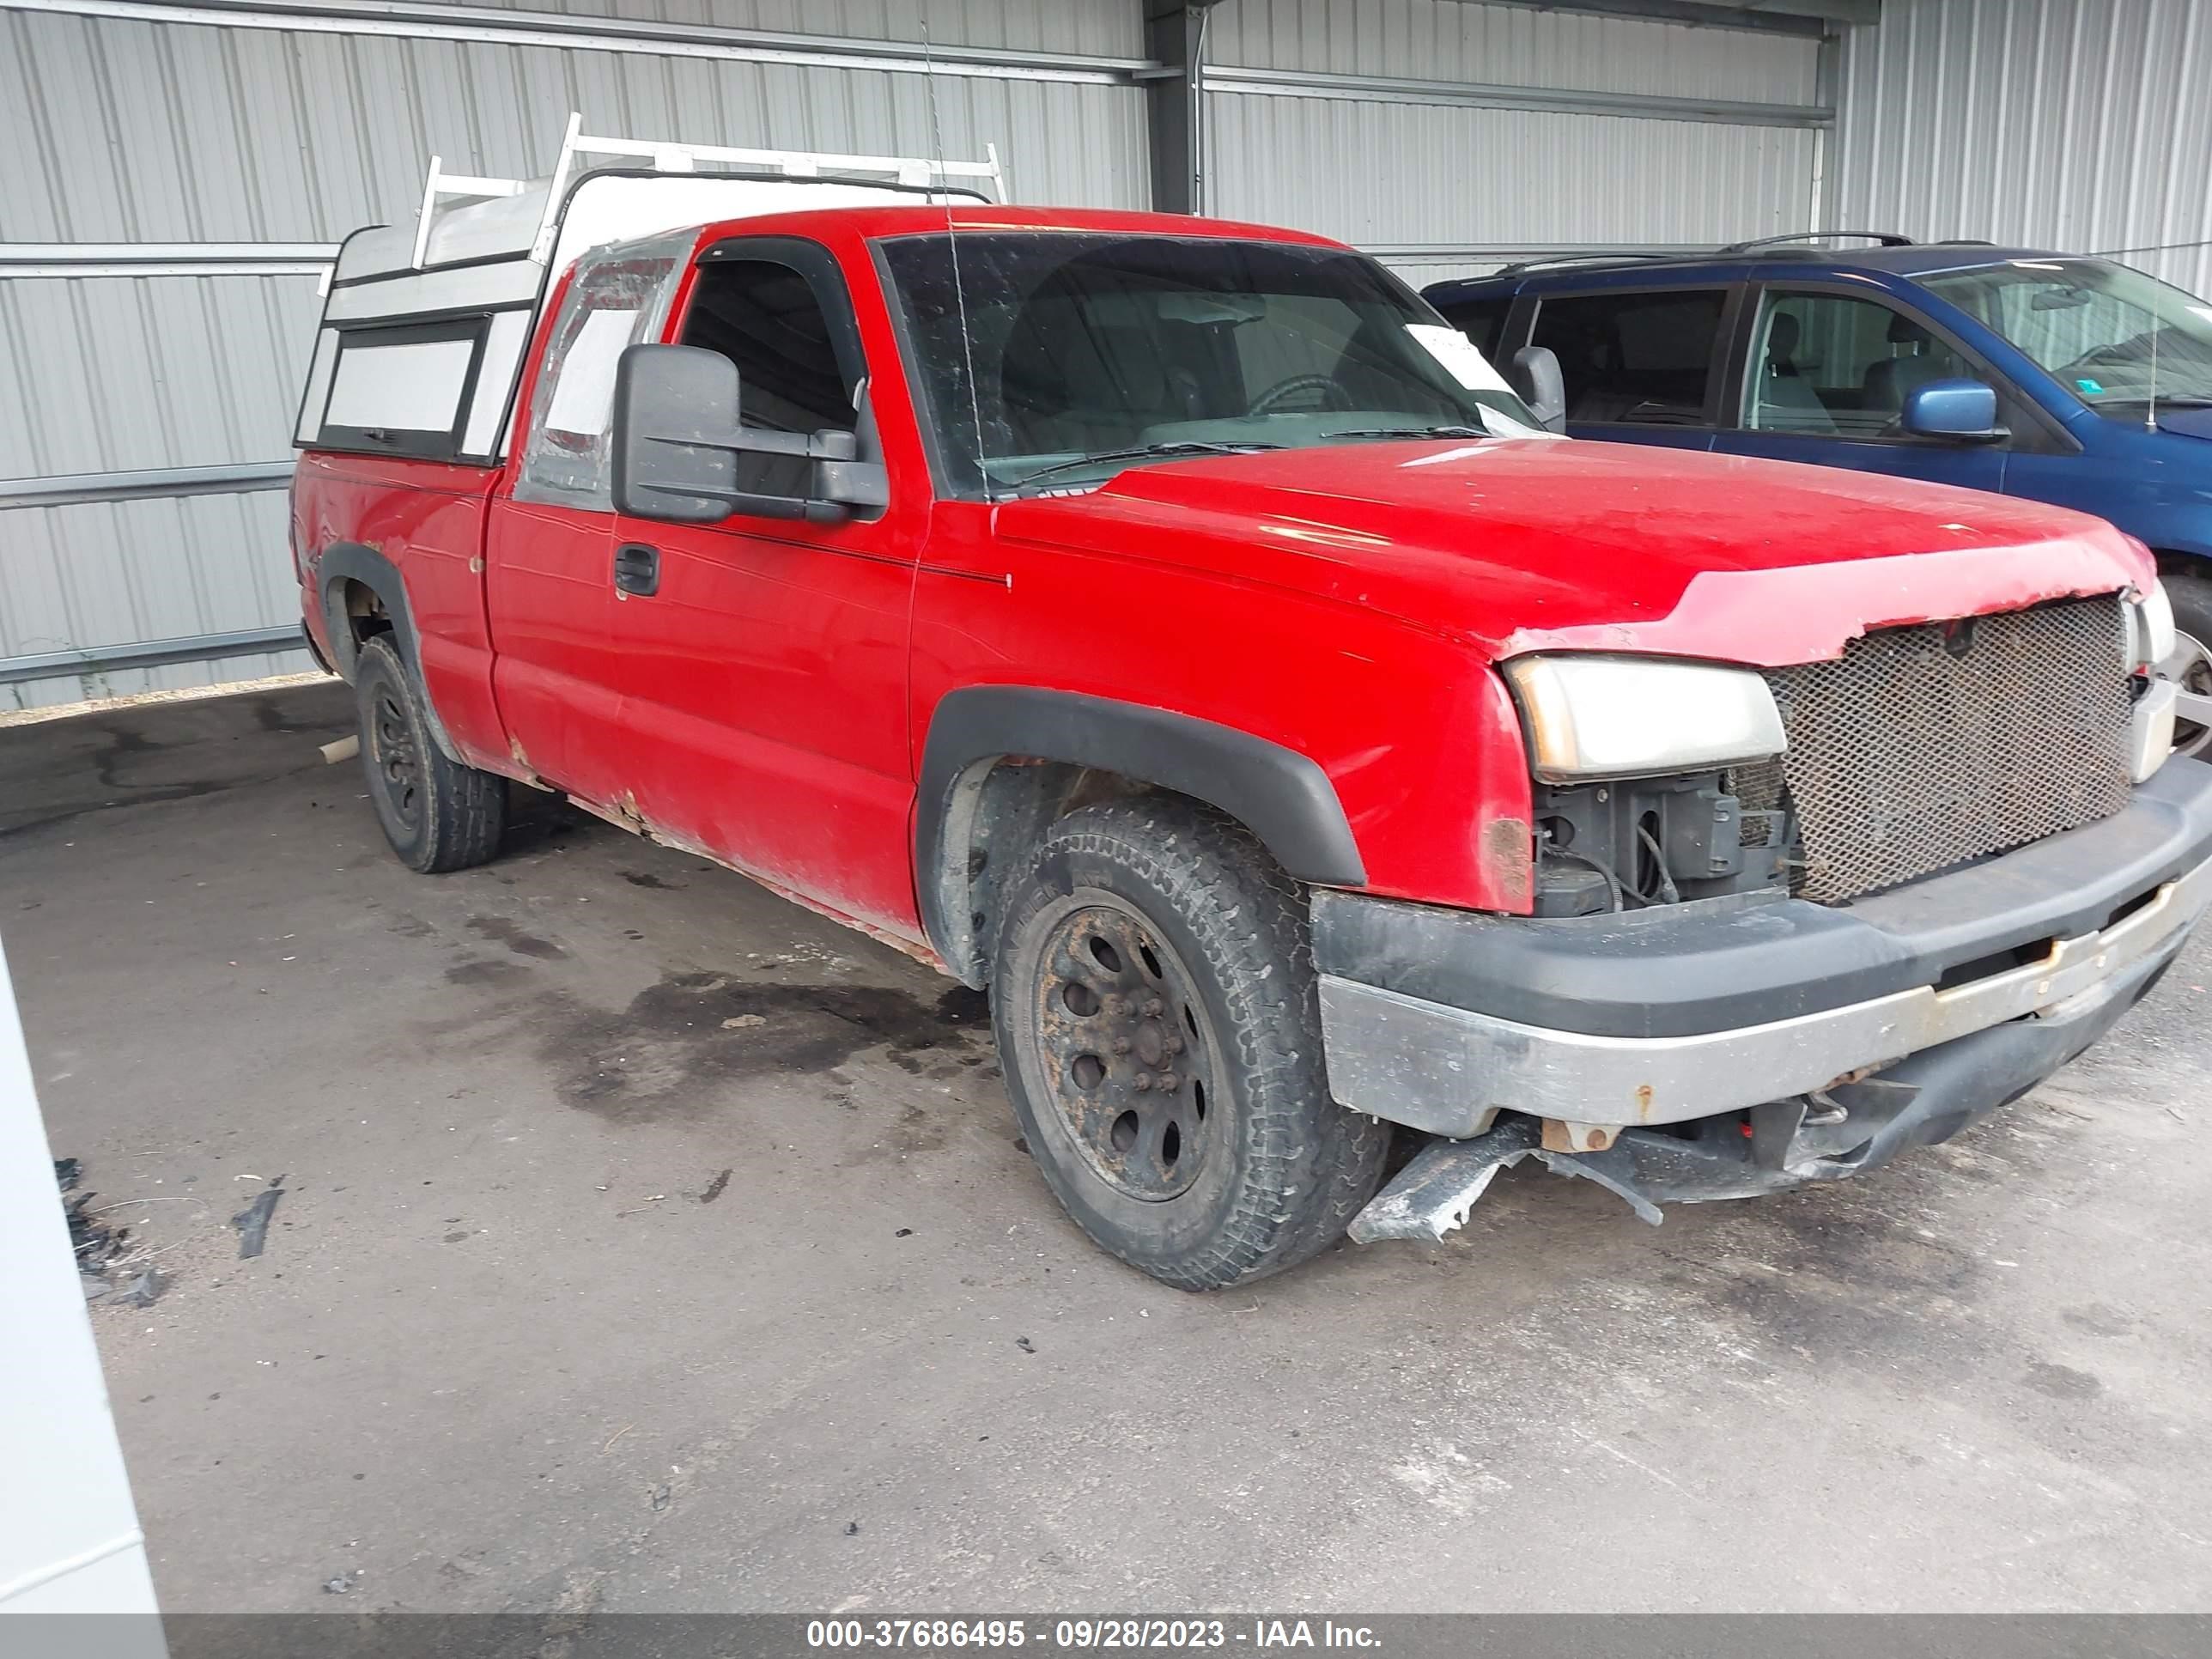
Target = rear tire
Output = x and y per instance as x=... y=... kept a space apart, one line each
x=1153 y=998
x=438 y=814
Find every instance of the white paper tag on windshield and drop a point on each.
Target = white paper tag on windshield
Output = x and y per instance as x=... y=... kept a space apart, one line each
x=1458 y=353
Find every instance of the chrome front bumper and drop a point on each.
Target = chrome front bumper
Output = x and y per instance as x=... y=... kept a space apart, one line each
x=1450 y=1069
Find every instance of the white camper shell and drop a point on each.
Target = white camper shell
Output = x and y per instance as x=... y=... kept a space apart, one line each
x=424 y=327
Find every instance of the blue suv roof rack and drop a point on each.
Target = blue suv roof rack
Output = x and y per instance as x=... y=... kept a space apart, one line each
x=1886 y=238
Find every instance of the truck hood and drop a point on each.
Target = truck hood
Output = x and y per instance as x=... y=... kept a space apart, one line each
x=1523 y=544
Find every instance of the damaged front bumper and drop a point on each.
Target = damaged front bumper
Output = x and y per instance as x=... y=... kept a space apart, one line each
x=1617 y=1048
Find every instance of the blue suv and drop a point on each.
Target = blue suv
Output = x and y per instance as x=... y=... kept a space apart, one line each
x=2048 y=375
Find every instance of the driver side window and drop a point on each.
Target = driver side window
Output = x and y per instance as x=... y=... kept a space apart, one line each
x=1833 y=366
x=767 y=318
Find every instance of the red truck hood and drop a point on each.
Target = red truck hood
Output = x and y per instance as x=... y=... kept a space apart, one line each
x=1539 y=544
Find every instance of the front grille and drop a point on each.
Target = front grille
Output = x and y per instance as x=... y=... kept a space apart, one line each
x=1922 y=747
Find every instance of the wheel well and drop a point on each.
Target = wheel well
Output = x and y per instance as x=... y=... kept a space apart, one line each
x=365 y=612
x=1001 y=805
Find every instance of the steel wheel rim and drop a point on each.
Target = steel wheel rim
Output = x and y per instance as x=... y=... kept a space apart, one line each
x=2190 y=667
x=1125 y=1051
x=391 y=751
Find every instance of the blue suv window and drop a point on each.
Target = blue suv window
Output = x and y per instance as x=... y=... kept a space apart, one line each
x=1639 y=359
x=1833 y=365
x=1481 y=320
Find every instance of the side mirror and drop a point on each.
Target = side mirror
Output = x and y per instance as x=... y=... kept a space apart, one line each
x=1534 y=373
x=1962 y=411
x=678 y=437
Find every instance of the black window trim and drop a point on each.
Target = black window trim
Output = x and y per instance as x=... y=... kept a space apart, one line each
x=1507 y=302
x=2034 y=430
x=817 y=267
x=1521 y=330
x=414 y=444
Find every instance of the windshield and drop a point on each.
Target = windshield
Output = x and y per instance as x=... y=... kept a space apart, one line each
x=2113 y=337
x=1094 y=352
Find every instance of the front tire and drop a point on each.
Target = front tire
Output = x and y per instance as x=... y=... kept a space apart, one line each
x=438 y=814
x=2190 y=667
x=1154 y=1003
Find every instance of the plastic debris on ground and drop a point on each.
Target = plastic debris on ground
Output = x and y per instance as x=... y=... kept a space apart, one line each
x=98 y=1247
x=252 y=1221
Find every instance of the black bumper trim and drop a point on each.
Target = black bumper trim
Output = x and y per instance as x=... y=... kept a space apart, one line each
x=1719 y=964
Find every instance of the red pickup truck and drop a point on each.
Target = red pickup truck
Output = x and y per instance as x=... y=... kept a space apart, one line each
x=1174 y=627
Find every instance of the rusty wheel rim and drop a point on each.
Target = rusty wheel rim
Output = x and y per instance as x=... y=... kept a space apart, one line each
x=392 y=753
x=1125 y=1051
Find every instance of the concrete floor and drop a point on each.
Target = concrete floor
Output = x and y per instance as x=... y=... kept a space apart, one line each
x=515 y=1344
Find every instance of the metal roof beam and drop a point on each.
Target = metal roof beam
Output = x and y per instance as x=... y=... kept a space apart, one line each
x=150 y=653
x=1392 y=89
x=72 y=259
x=414 y=20
x=1809 y=18
x=151 y=483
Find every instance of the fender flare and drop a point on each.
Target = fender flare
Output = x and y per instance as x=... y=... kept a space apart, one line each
x=344 y=562
x=1283 y=797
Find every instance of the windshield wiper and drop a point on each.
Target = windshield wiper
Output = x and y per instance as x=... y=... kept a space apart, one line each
x=1140 y=452
x=1444 y=431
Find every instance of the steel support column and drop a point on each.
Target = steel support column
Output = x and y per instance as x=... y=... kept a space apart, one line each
x=1174 y=94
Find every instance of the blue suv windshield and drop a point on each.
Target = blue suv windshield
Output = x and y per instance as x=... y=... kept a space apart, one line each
x=2116 y=338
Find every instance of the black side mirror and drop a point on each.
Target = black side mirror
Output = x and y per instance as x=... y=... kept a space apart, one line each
x=1963 y=411
x=1534 y=373
x=679 y=434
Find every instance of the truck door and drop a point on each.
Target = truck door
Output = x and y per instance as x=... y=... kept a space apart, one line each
x=549 y=545
x=1825 y=376
x=760 y=663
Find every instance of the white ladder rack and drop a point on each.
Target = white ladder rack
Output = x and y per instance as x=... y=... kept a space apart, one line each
x=913 y=171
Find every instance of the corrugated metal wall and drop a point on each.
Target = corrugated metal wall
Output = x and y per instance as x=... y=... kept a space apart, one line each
x=2082 y=125
x=1424 y=178
x=254 y=146
x=177 y=176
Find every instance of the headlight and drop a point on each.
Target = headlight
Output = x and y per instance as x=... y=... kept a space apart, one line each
x=2150 y=630
x=1621 y=717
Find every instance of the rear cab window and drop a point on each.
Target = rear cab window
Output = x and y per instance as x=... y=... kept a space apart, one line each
x=1635 y=358
x=618 y=296
x=430 y=391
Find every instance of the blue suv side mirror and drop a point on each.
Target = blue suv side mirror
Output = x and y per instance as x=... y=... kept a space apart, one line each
x=1964 y=411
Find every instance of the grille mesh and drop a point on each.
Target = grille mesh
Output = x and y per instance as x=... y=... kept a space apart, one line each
x=1912 y=752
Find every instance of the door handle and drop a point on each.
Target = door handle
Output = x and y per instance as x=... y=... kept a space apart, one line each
x=637 y=569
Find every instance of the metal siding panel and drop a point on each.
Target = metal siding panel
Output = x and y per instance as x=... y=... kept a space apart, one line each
x=120 y=373
x=139 y=132
x=187 y=133
x=100 y=573
x=2074 y=125
x=1575 y=178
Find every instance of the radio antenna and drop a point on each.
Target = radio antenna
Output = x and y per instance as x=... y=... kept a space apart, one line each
x=952 y=252
x=2150 y=403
